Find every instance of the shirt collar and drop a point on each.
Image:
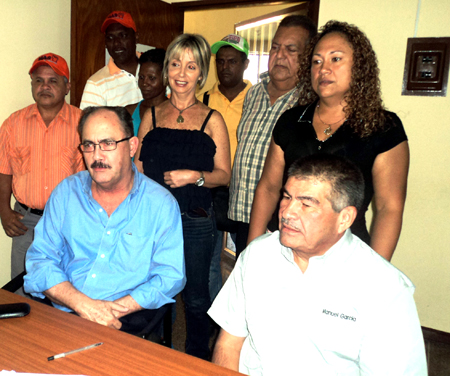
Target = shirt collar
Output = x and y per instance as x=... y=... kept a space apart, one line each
x=338 y=253
x=215 y=88
x=63 y=113
x=114 y=69
x=292 y=94
x=308 y=113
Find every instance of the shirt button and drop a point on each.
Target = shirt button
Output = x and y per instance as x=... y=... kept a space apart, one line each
x=94 y=275
x=109 y=232
x=100 y=210
x=45 y=187
x=102 y=256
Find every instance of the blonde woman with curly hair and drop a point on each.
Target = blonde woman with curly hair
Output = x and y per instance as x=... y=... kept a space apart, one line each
x=341 y=112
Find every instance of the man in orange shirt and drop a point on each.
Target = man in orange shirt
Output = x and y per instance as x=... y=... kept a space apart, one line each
x=38 y=149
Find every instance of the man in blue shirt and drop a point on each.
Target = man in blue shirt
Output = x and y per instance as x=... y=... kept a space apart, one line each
x=109 y=244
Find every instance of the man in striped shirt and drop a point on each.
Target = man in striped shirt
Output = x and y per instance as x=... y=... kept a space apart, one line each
x=38 y=149
x=263 y=105
x=116 y=84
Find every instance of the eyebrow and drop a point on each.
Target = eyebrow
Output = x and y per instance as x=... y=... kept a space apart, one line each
x=105 y=139
x=303 y=198
x=308 y=198
x=332 y=52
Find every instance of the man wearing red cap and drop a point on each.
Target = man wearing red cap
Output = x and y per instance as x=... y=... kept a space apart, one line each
x=116 y=84
x=38 y=149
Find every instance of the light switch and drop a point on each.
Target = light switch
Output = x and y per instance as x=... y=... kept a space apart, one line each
x=426 y=67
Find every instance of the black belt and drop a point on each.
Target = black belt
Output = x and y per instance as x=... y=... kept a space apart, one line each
x=32 y=211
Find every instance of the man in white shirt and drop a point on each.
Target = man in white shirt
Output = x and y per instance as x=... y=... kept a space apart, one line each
x=313 y=299
x=116 y=84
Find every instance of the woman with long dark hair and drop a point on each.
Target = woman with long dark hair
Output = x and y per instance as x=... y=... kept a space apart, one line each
x=341 y=112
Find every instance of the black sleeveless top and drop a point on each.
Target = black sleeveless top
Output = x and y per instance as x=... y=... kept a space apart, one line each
x=296 y=136
x=165 y=149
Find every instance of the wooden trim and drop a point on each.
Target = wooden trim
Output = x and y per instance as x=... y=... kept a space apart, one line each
x=289 y=10
x=313 y=11
x=216 y=4
x=435 y=335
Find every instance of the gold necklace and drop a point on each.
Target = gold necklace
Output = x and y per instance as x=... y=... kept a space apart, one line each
x=180 y=119
x=328 y=130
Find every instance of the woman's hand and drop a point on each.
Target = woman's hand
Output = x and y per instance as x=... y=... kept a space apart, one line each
x=180 y=178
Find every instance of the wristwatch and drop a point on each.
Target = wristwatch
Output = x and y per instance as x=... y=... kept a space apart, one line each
x=201 y=180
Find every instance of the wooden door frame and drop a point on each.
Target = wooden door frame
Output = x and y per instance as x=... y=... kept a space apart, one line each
x=312 y=5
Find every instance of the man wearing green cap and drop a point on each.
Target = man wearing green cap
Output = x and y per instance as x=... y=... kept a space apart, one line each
x=226 y=96
x=228 y=93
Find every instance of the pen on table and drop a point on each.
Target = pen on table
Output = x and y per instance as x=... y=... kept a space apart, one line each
x=62 y=355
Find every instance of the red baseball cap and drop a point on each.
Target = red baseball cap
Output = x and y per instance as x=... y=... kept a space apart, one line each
x=56 y=62
x=121 y=17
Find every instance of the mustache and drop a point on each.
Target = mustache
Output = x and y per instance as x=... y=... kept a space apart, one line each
x=46 y=92
x=289 y=223
x=99 y=164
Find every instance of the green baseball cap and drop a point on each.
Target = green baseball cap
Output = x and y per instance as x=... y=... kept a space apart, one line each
x=232 y=40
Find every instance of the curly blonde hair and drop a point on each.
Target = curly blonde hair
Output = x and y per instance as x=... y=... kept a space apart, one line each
x=364 y=109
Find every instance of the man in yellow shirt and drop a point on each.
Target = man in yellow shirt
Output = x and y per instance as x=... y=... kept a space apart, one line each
x=227 y=96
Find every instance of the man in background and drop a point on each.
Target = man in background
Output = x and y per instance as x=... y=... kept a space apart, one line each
x=226 y=96
x=38 y=149
x=116 y=84
x=264 y=103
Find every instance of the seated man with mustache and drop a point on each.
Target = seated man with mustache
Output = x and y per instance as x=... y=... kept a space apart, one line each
x=314 y=299
x=109 y=246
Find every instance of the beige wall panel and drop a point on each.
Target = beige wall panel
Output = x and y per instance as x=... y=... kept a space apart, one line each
x=29 y=28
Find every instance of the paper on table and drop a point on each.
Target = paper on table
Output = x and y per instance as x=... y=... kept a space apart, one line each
x=5 y=373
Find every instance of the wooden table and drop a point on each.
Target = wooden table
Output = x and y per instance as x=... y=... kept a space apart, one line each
x=27 y=342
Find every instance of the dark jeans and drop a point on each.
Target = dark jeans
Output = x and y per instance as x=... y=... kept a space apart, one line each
x=199 y=240
x=241 y=237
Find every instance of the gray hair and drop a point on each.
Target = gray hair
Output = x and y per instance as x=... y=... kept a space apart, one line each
x=345 y=179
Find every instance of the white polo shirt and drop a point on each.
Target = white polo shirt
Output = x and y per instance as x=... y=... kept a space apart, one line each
x=350 y=313
x=111 y=86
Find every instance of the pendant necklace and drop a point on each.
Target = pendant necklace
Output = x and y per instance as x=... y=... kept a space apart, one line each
x=328 y=131
x=180 y=118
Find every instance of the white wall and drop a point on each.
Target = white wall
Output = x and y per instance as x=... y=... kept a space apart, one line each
x=423 y=252
x=424 y=249
x=29 y=28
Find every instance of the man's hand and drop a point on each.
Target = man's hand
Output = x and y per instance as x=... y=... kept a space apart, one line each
x=11 y=222
x=102 y=312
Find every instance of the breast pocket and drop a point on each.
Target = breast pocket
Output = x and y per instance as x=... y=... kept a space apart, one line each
x=21 y=160
x=135 y=253
x=70 y=160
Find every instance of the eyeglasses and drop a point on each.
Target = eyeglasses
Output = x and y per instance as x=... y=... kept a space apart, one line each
x=105 y=145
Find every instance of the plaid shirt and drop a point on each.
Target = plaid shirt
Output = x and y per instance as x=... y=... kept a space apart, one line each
x=254 y=132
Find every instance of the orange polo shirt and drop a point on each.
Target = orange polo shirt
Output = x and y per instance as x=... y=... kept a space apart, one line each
x=39 y=157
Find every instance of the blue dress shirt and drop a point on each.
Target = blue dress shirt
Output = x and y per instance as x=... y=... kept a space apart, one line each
x=137 y=251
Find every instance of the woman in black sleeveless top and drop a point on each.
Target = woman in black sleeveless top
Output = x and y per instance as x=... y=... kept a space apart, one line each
x=185 y=148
